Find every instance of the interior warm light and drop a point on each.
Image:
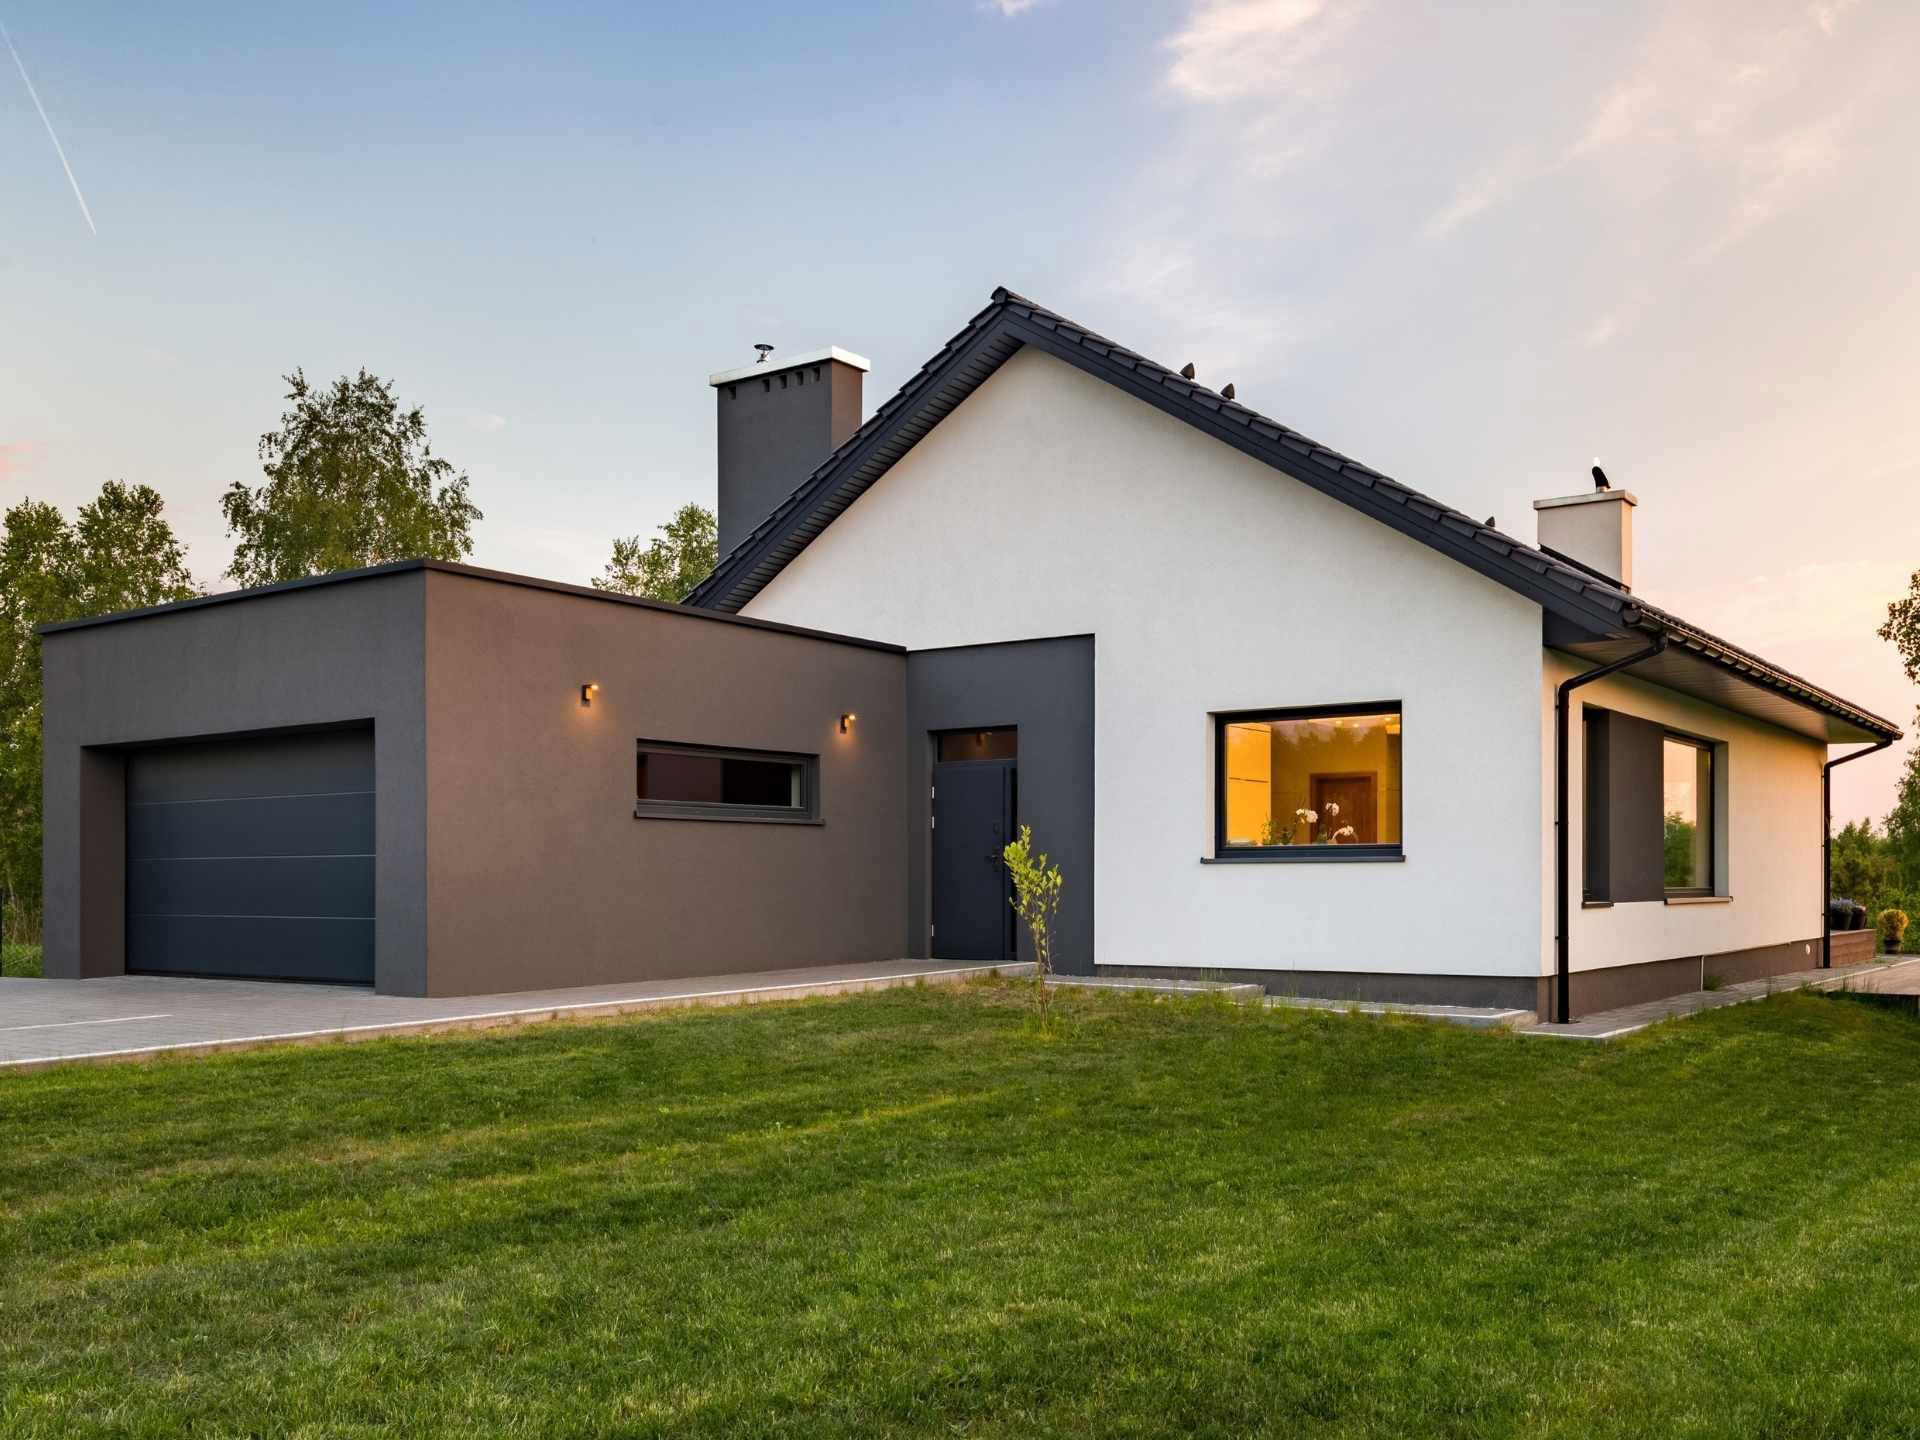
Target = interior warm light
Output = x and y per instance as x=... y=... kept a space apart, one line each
x=846 y=721
x=587 y=692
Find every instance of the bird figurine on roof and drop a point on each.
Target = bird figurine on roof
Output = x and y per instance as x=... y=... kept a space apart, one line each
x=1599 y=476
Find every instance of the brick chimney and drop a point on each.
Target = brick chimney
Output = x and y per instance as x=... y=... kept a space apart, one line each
x=1593 y=529
x=778 y=419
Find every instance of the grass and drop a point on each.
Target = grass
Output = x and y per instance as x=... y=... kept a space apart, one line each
x=19 y=961
x=910 y=1213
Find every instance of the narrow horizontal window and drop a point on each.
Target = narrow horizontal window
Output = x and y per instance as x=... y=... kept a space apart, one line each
x=1299 y=784
x=706 y=782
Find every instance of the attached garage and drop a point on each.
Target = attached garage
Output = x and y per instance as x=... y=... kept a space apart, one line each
x=253 y=857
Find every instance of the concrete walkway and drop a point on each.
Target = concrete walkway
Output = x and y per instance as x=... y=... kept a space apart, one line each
x=1611 y=1024
x=133 y=1017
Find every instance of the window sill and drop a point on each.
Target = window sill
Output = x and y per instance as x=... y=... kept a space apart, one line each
x=1596 y=904
x=730 y=817
x=1699 y=899
x=1312 y=855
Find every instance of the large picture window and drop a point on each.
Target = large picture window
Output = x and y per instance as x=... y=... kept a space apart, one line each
x=1687 y=813
x=706 y=782
x=1309 y=784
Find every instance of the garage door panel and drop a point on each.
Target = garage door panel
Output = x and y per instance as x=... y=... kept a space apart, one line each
x=254 y=947
x=253 y=857
x=284 y=825
x=308 y=885
x=325 y=762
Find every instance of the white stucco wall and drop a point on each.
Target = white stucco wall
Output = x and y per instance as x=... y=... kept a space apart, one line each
x=1050 y=503
x=1768 y=863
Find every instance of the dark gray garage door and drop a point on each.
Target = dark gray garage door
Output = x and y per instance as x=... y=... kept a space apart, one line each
x=253 y=857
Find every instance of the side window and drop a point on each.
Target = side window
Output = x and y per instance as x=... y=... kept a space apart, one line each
x=707 y=782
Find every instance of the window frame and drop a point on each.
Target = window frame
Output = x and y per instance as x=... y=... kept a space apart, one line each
x=1709 y=820
x=1223 y=854
x=806 y=813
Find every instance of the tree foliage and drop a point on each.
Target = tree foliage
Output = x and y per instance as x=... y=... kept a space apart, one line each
x=1903 y=826
x=119 y=553
x=672 y=563
x=351 y=481
x=1903 y=628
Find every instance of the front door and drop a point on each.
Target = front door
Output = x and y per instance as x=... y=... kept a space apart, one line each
x=972 y=822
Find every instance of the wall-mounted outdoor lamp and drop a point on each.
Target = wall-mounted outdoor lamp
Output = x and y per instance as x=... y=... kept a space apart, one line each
x=846 y=721
x=587 y=692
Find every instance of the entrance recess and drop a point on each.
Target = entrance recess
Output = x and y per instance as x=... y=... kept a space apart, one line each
x=973 y=818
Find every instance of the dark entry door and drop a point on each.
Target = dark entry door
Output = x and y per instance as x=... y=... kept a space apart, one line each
x=972 y=822
x=253 y=858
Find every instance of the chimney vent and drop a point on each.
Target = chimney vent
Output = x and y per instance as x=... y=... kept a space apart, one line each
x=1593 y=529
x=778 y=418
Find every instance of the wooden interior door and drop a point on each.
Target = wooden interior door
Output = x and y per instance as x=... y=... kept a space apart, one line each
x=1359 y=807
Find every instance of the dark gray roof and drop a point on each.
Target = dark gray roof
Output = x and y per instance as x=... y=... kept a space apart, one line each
x=1579 y=605
x=447 y=567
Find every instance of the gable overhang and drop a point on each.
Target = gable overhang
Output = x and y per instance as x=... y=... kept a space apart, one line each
x=1008 y=325
x=1707 y=668
x=1583 y=613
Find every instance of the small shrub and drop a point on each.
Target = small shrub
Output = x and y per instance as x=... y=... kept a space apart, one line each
x=1893 y=930
x=1036 y=898
x=20 y=962
x=1714 y=982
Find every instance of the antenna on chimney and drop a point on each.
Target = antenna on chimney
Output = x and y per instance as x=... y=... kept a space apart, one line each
x=765 y=350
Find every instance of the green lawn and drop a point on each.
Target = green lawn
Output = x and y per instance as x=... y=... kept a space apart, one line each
x=19 y=960
x=908 y=1213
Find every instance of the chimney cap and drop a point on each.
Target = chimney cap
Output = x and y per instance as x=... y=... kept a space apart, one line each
x=1588 y=497
x=774 y=364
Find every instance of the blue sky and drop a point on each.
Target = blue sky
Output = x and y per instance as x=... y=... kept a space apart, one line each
x=1474 y=246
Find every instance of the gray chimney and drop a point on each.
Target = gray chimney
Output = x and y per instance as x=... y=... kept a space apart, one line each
x=778 y=420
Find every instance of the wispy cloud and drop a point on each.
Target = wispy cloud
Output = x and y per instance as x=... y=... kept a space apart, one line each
x=1234 y=49
x=12 y=459
x=34 y=95
x=1723 y=115
x=486 y=421
x=1009 y=8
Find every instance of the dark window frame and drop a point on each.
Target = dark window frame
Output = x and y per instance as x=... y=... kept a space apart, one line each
x=1710 y=813
x=1294 y=854
x=806 y=813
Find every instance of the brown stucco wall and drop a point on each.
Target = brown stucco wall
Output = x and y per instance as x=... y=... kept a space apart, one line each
x=538 y=873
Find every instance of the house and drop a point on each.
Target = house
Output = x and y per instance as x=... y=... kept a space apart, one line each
x=1275 y=714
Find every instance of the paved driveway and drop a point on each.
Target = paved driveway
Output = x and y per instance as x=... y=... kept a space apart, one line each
x=131 y=1016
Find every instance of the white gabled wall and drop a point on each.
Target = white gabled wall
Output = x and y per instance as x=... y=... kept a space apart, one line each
x=1768 y=837
x=1050 y=503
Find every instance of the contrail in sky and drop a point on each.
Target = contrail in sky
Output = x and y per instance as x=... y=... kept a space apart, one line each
x=35 y=95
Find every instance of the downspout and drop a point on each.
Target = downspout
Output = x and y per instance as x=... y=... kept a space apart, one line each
x=1562 y=1002
x=1826 y=848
